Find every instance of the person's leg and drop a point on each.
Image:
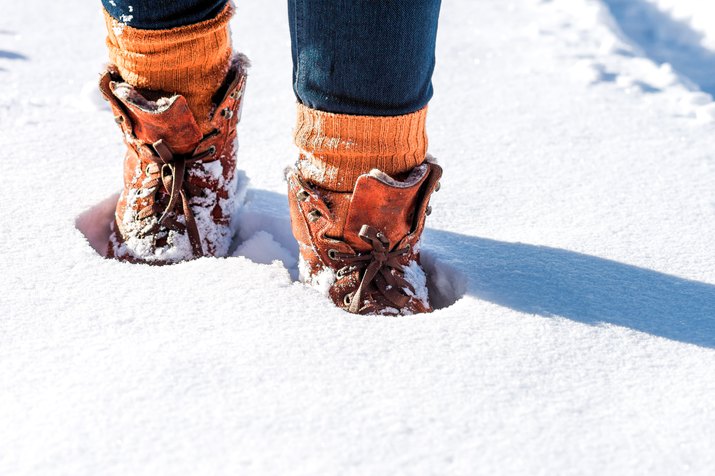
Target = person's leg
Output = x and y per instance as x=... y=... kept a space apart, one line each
x=363 y=57
x=362 y=77
x=188 y=57
x=175 y=88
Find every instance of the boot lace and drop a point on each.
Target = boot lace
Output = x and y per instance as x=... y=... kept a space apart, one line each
x=377 y=268
x=170 y=177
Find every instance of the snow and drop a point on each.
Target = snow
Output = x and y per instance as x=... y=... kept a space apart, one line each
x=416 y=277
x=320 y=281
x=263 y=248
x=570 y=253
x=313 y=168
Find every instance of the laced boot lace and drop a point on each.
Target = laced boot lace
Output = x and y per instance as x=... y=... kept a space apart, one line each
x=378 y=266
x=169 y=174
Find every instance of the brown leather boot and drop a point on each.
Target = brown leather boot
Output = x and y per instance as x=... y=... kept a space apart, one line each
x=179 y=185
x=362 y=247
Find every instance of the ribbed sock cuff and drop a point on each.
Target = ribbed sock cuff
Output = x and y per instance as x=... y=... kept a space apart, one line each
x=335 y=149
x=190 y=60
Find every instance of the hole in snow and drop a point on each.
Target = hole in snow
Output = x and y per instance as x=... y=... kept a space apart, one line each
x=95 y=223
x=446 y=284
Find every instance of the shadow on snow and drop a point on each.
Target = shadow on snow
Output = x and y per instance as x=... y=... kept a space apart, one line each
x=555 y=282
x=10 y=55
x=664 y=39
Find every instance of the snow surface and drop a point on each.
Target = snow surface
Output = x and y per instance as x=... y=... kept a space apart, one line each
x=570 y=250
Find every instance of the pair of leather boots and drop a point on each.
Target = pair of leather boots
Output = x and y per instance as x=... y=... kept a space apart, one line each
x=179 y=202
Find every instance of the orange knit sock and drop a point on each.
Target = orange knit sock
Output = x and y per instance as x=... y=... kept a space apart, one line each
x=189 y=60
x=335 y=149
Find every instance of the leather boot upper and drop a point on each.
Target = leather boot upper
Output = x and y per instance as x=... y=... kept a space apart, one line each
x=177 y=181
x=363 y=245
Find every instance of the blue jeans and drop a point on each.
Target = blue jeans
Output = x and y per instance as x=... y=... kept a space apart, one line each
x=363 y=57
x=162 y=15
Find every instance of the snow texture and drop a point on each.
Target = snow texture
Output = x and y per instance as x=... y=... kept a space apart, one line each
x=570 y=254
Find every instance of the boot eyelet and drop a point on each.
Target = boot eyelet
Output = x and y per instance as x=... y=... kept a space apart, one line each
x=146 y=169
x=438 y=187
x=235 y=94
x=347 y=299
x=227 y=113
x=428 y=210
x=407 y=248
x=314 y=215
x=333 y=254
x=302 y=195
x=119 y=119
x=212 y=150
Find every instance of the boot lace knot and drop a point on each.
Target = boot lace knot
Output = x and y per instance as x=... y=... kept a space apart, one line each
x=168 y=174
x=380 y=268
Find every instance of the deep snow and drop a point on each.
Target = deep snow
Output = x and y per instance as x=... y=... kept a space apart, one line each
x=574 y=231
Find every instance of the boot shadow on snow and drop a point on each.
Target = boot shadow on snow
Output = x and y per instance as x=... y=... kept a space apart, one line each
x=532 y=279
x=554 y=282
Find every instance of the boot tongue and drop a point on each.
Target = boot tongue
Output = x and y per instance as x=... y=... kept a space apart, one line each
x=385 y=204
x=167 y=118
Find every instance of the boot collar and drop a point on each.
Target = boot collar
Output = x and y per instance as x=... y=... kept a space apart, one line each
x=385 y=203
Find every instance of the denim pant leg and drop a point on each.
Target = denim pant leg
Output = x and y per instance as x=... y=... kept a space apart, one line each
x=162 y=15
x=363 y=57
